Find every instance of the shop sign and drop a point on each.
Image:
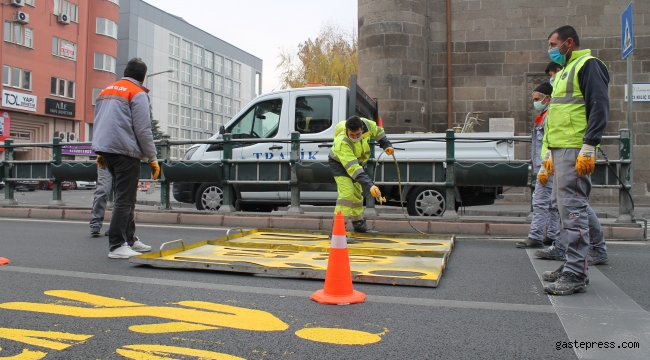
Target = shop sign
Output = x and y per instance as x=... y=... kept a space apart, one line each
x=59 y=108
x=20 y=101
x=85 y=150
x=67 y=49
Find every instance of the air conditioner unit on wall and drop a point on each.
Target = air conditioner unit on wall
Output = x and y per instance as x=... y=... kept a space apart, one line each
x=63 y=19
x=63 y=136
x=21 y=17
x=18 y=3
x=72 y=137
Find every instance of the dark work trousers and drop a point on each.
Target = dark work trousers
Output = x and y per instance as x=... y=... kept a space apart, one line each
x=126 y=173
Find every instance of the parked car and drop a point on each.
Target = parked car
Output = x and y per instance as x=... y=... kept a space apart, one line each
x=76 y=185
x=2 y=184
x=47 y=185
x=23 y=185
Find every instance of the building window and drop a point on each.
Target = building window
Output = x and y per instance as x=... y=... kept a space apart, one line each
x=64 y=48
x=7 y=31
x=218 y=63
x=228 y=68
x=208 y=80
x=186 y=72
x=173 y=133
x=209 y=60
x=197 y=119
x=17 y=77
x=207 y=121
x=96 y=93
x=198 y=55
x=218 y=84
x=185 y=94
x=104 y=62
x=172 y=114
x=174 y=65
x=218 y=121
x=207 y=101
x=198 y=98
x=236 y=106
x=227 y=106
x=6 y=75
x=237 y=71
x=218 y=103
x=74 y=13
x=186 y=134
x=63 y=88
x=197 y=76
x=185 y=116
x=228 y=87
x=106 y=27
x=237 y=90
x=172 y=91
x=173 y=45
x=29 y=2
x=17 y=34
x=186 y=51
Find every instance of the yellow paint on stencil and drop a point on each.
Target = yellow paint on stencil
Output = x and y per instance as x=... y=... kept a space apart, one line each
x=163 y=352
x=213 y=314
x=338 y=336
x=47 y=339
x=26 y=355
x=170 y=327
x=101 y=301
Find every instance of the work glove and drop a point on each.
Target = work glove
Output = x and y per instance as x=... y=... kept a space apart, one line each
x=155 y=169
x=100 y=162
x=389 y=151
x=586 y=161
x=547 y=161
x=374 y=191
x=542 y=176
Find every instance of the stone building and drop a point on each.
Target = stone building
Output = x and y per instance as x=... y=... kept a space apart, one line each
x=498 y=56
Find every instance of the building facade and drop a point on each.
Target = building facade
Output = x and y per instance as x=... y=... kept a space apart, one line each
x=53 y=54
x=209 y=80
x=498 y=56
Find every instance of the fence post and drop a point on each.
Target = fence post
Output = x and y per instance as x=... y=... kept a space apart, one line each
x=9 y=185
x=164 y=184
x=370 y=209
x=625 y=209
x=295 y=187
x=450 y=199
x=56 y=184
x=226 y=204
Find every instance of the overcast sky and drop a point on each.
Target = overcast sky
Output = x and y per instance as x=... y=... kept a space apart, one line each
x=262 y=27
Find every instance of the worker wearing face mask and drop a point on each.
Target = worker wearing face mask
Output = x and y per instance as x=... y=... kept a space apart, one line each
x=349 y=154
x=551 y=69
x=577 y=117
x=544 y=207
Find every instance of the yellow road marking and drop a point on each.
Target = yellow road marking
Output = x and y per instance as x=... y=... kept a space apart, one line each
x=47 y=339
x=96 y=300
x=338 y=336
x=26 y=355
x=170 y=327
x=162 y=352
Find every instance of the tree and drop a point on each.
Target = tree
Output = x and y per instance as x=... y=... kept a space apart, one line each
x=329 y=59
x=155 y=128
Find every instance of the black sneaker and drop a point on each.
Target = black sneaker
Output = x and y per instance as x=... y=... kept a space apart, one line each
x=529 y=244
x=552 y=276
x=567 y=284
x=552 y=253
x=360 y=226
x=94 y=232
x=106 y=233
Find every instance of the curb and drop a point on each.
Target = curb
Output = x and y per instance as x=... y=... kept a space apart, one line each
x=475 y=226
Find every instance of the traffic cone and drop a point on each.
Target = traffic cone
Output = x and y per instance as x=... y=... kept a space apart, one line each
x=338 y=278
x=4 y=261
x=380 y=123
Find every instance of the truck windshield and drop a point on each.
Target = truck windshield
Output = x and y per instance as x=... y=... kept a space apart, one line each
x=260 y=121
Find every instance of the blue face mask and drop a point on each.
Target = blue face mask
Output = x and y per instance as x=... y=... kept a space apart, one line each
x=556 y=56
x=539 y=106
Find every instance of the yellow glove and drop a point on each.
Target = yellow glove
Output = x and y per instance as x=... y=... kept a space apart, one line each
x=586 y=161
x=374 y=191
x=542 y=176
x=155 y=169
x=389 y=151
x=547 y=161
x=100 y=162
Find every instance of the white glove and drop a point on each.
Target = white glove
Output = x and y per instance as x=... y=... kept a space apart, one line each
x=547 y=161
x=586 y=161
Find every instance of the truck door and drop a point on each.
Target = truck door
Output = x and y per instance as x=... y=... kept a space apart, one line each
x=266 y=119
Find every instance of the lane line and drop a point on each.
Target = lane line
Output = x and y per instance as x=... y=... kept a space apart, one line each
x=137 y=224
x=603 y=314
x=282 y=292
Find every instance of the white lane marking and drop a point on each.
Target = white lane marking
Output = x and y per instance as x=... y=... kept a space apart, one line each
x=137 y=224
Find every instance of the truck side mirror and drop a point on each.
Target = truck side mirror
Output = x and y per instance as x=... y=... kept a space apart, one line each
x=222 y=129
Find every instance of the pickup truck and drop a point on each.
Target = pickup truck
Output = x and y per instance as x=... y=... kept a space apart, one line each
x=313 y=112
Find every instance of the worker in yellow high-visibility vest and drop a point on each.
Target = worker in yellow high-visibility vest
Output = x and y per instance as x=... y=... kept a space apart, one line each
x=347 y=158
x=577 y=117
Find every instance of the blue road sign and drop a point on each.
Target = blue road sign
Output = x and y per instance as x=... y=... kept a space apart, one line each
x=627 y=35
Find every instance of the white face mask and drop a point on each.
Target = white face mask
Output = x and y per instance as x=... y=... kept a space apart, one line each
x=355 y=140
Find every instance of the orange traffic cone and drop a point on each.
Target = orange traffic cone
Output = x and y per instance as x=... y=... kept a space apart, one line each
x=380 y=123
x=4 y=261
x=338 y=279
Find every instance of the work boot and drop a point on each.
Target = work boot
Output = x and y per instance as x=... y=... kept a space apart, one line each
x=94 y=232
x=547 y=241
x=529 y=244
x=360 y=226
x=552 y=253
x=567 y=284
x=552 y=276
x=596 y=258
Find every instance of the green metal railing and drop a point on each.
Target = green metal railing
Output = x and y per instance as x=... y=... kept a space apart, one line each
x=450 y=173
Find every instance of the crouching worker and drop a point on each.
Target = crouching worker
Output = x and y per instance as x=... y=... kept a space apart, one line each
x=349 y=154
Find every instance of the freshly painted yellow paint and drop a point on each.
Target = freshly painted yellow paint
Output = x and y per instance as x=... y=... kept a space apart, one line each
x=163 y=352
x=99 y=301
x=338 y=336
x=25 y=355
x=47 y=339
x=212 y=314
x=170 y=327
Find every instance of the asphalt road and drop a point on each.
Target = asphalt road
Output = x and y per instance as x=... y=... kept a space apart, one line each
x=489 y=304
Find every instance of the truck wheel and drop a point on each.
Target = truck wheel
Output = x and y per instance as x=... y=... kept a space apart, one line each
x=209 y=197
x=426 y=201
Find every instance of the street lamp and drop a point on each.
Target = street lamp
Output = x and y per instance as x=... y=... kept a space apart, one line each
x=156 y=73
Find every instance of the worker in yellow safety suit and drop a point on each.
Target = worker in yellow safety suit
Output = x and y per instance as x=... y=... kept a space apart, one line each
x=347 y=158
